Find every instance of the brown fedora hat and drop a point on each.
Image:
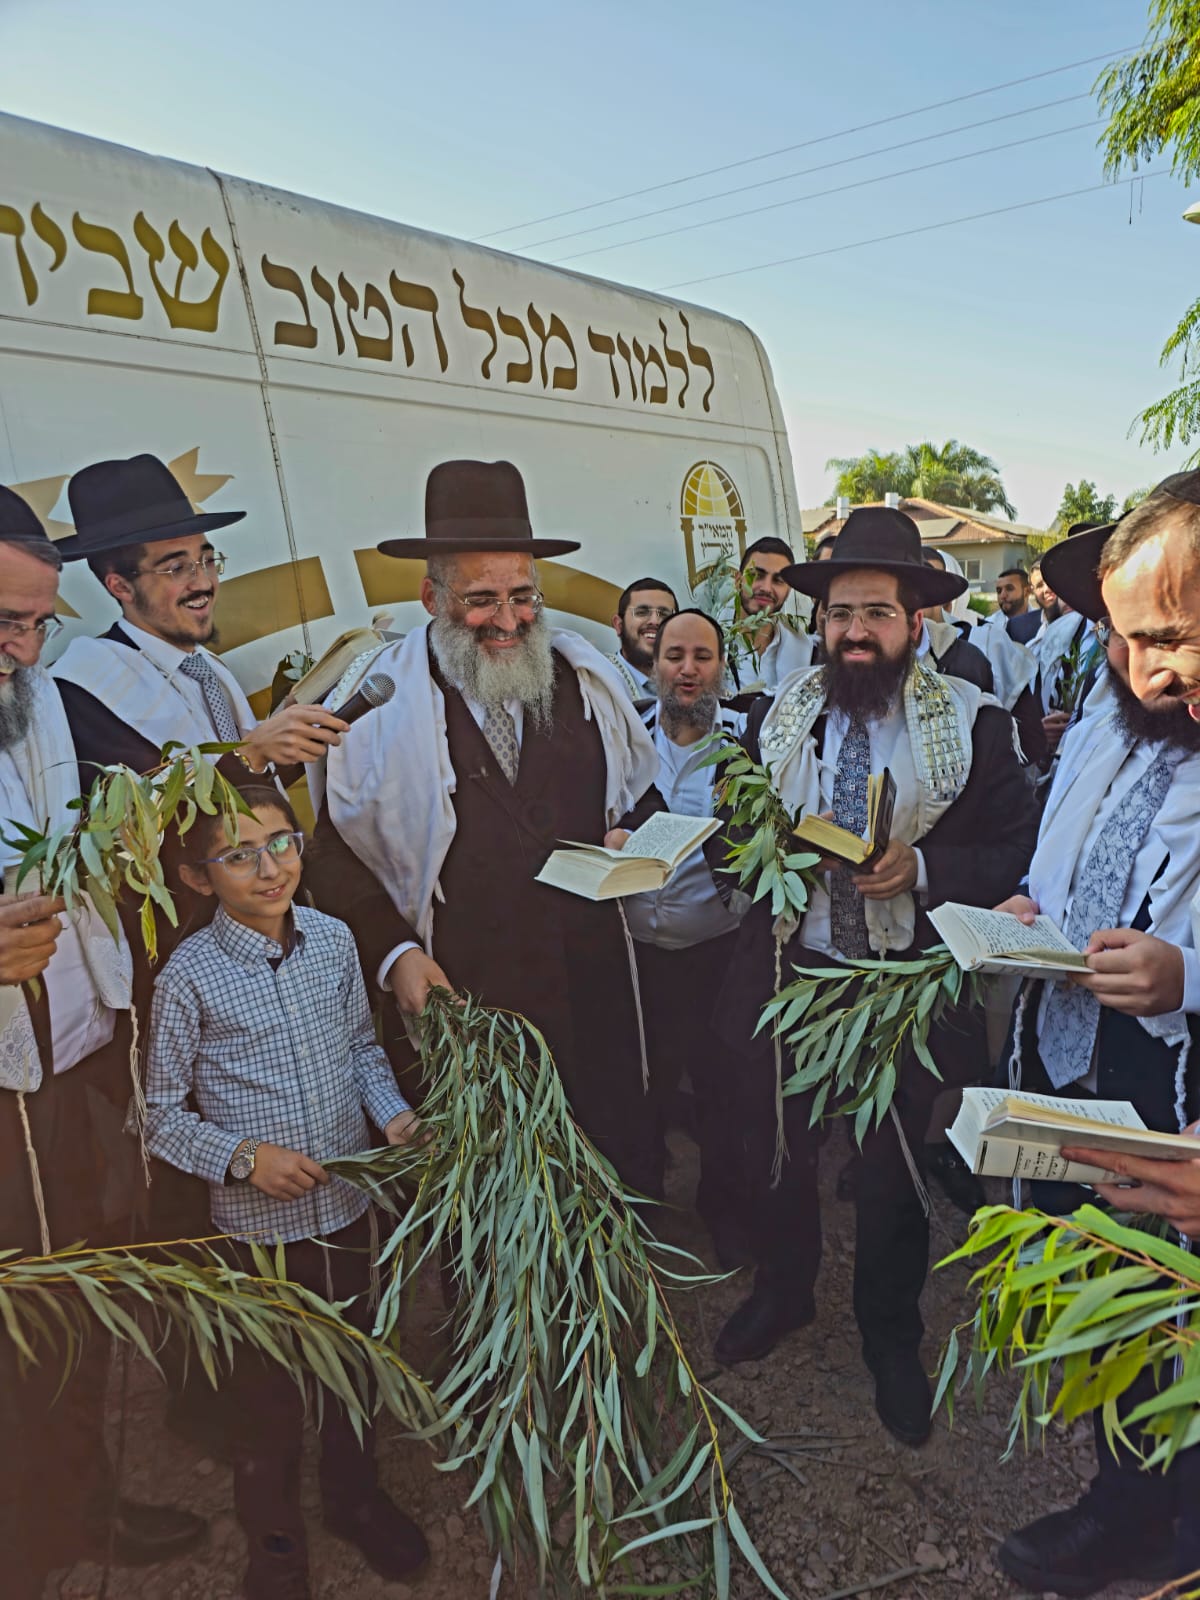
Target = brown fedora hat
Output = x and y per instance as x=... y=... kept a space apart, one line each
x=476 y=506
x=115 y=504
x=886 y=540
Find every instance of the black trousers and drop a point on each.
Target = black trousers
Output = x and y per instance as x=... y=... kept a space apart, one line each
x=265 y=1409
x=56 y=1486
x=677 y=988
x=891 y=1251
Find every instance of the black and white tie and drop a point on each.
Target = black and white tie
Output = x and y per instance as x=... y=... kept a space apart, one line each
x=199 y=668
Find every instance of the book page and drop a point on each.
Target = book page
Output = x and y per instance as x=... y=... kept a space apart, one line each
x=1000 y=933
x=1043 y=1107
x=668 y=837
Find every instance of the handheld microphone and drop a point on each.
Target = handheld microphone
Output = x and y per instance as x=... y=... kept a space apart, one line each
x=374 y=691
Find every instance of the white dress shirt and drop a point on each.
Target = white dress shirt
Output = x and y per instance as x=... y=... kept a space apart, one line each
x=687 y=910
x=168 y=658
x=884 y=734
x=80 y=1022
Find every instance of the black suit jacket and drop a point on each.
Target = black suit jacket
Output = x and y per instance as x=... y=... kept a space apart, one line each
x=1024 y=625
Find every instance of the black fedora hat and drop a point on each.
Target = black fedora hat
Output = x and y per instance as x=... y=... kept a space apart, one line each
x=18 y=520
x=1071 y=567
x=886 y=540
x=476 y=506
x=139 y=501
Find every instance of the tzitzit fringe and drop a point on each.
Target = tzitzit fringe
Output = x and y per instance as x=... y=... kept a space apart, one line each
x=39 y=1197
x=137 y=1106
x=637 y=997
x=1014 y=1066
x=781 y=1148
x=914 y=1174
x=1181 y=1118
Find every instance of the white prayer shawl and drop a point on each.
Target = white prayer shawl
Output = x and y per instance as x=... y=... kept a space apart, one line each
x=789 y=651
x=46 y=760
x=389 y=785
x=923 y=791
x=1052 y=648
x=1014 y=666
x=960 y=607
x=143 y=695
x=1092 y=754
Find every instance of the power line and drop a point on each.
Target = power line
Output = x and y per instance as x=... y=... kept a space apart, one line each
x=818 y=194
x=804 y=144
x=806 y=172
x=906 y=233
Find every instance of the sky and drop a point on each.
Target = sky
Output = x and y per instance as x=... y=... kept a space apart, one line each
x=1032 y=335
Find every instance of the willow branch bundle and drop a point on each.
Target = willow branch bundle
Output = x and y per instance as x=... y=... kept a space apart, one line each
x=211 y=1310
x=583 y=1422
x=114 y=850
x=1078 y=1308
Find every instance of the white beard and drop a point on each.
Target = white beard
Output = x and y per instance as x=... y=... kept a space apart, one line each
x=524 y=674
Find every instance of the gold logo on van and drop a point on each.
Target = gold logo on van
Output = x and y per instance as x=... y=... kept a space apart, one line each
x=712 y=518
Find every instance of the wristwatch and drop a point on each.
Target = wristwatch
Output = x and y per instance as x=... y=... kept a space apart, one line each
x=241 y=1164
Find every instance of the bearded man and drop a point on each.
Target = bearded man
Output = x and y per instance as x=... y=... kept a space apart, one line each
x=503 y=738
x=641 y=611
x=964 y=826
x=778 y=646
x=68 y=1174
x=1117 y=865
x=685 y=931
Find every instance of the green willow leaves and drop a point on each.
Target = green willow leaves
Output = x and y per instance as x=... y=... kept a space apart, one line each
x=584 y=1424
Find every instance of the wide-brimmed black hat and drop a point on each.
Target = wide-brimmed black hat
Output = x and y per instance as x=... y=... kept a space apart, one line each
x=476 y=506
x=884 y=539
x=18 y=520
x=1071 y=568
x=139 y=501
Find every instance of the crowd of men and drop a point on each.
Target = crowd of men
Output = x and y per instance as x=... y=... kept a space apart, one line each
x=1044 y=759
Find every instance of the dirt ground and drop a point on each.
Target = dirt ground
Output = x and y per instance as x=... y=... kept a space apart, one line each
x=851 y=1507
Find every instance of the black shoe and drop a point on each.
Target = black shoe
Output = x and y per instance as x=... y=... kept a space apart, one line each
x=759 y=1323
x=1075 y=1553
x=141 y=1535
x=731 y=1243
x=960 y=1185
x=903 y=1397
x=277 y=1569
x=391 y=1543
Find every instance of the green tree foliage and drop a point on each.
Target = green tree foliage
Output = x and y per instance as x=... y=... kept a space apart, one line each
x=953 y=474
x=1082 y=502
x=1152 y=101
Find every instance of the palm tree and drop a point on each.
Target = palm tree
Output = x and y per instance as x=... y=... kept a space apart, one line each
x=953 y=474
x=1081 y=503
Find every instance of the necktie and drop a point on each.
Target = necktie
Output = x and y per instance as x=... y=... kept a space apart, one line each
x=847 y=911
x=500 y=731
x=199 y=668
x=1068 y=1035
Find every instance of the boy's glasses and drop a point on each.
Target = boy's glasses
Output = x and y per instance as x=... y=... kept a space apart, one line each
x=245 y=860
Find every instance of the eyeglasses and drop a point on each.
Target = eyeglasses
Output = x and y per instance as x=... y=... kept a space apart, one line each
x=48 y=627
x=183 y=569
x=245 y=860
x=643 y=613
x=487 y=605
x=875 y=616
x=1106 y=633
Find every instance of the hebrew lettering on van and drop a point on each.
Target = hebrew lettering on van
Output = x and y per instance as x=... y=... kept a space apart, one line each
x=102 y=241
x=676 y=358
x=516 y=371
x=476 y=317
x=647 y=358
x=701 y=358
x=556 y=328
x=302 y=335
x=325 y=289
x=200 y=315
x=418 y=297
x=369 y=346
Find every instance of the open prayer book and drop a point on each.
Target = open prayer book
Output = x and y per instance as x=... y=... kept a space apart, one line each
x=1003 y=1135
x=842 y=845
x=648 y=860
x=998 y=941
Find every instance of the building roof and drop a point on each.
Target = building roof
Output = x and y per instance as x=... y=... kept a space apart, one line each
x=939 y=524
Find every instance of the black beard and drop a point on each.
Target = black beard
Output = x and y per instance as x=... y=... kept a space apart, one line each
x=865 y=693
x=1170 y=726
x=637 y=654
x=16 y=709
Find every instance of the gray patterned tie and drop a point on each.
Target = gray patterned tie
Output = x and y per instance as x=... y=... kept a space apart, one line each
x=847 y=909
x=500 y=731
x=1068 y=1035
x=198 y=667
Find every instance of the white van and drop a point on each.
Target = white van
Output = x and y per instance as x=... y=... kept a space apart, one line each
x=310 y=364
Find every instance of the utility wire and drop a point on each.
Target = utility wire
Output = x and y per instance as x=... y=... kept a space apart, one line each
x=805 y=172
x=907 y=233
x=817 y=194
x=804 y=144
